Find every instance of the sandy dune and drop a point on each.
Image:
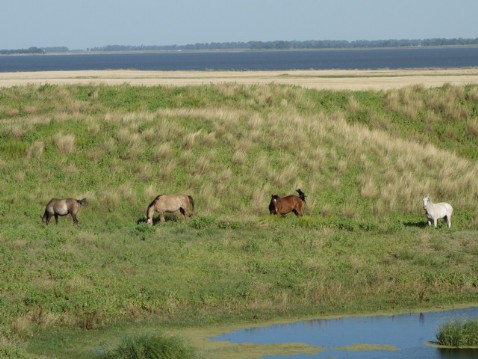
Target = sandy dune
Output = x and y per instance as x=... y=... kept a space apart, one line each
x=318 y=79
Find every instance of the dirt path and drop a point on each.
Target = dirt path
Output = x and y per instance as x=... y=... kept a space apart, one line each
x=318 y=79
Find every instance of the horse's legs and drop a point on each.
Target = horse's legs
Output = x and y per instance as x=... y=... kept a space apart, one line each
x=75 y=220
x=435 y=220
x=161 y=217
x=56 y=218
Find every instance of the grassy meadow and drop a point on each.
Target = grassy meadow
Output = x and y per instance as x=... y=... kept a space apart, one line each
x=364 y=159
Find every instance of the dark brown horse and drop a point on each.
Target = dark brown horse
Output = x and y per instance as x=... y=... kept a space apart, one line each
x=284 y=205
x=62 y=207
x=170 y=203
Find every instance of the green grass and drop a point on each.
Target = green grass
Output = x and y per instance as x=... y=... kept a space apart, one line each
x=459 y=333
x=364 y=159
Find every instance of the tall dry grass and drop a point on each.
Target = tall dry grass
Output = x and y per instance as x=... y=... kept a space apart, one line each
x=272 y=139
x=36 y=149
x=64 y=143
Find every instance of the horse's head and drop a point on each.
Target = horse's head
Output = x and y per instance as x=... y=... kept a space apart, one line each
x=149 y=215
x=273 y=203
x=150 y=212
x=426 y=201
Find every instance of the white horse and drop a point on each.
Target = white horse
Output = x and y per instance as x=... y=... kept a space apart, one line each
x=435 y=211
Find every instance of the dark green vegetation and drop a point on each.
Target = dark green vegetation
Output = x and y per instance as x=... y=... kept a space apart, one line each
x=151 y=347
x=459 y=333
x=29 y=51
x=364 y=159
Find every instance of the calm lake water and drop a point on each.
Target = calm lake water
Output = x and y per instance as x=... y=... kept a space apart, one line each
x=408 y=333
x=250 y=60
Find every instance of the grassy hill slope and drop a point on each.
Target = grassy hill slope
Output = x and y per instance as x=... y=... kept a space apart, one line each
x=365 y=160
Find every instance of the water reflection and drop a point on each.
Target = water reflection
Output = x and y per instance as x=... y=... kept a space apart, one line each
x=408 y=334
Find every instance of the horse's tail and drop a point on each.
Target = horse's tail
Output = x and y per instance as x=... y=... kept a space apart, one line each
x=301 y=194
x=191 y=201
x=82 y=201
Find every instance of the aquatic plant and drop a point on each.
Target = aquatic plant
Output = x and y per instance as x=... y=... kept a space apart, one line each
x=458 y=333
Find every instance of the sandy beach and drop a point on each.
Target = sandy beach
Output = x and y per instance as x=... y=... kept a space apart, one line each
x=355 y=80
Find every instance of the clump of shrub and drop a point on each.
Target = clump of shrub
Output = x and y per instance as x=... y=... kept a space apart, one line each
x=152 y=347
x=11 y=351
x=65 y=143
x=36 y=149
x=458 y=333
x=203 y=222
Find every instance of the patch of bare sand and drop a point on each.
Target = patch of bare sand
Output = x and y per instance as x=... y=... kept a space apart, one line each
x=355 y=80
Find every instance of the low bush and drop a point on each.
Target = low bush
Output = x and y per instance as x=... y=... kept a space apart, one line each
x=151 y=347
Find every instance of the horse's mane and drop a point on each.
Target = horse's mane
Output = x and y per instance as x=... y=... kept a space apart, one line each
x=154 y=200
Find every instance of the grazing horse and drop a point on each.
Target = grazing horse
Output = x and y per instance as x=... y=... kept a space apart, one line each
x=284 y=205
x=62 y=207
x=170 y=203
x=435 y=211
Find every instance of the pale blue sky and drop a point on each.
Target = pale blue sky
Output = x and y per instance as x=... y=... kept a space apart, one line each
x=80 y=24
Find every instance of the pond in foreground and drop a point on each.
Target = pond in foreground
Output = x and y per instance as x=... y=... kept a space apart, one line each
x=395 y=336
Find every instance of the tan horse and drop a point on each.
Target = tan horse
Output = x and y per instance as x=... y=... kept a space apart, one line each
x=170 y=203
x=62 y=207
x=284 y=205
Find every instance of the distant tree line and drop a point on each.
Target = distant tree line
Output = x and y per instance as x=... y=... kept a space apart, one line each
x=30 y=50
x=35 y=50
x=57 y=49
x=261 y=45
x=284 y=45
